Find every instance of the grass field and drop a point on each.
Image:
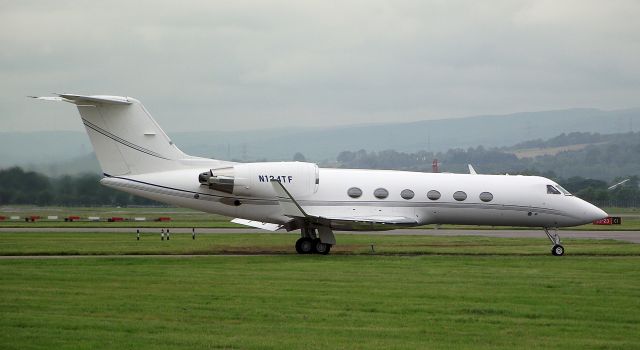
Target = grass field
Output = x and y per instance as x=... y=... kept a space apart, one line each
x=318 y=302
x=414 y=292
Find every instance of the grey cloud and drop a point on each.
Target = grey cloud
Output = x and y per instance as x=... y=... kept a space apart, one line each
x=254 y=64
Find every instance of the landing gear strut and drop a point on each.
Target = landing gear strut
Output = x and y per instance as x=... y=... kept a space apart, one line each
x=309 y=243
x=557 y=249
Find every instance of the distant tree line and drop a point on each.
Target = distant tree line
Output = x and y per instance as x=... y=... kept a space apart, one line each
x=566 y=139
x=603 y=157
x=587 y=172
x=18 y=186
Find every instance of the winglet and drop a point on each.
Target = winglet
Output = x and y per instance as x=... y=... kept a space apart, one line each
x=472 y=171
x=289 y=205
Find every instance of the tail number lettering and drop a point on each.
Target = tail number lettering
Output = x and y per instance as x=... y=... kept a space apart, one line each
x=281 y=178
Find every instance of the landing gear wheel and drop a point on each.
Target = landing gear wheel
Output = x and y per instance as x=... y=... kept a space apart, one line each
x=557 y=250
x=321 y=248
x=304 y=245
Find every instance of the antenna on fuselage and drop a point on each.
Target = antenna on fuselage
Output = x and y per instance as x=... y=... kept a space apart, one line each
x=472 y=171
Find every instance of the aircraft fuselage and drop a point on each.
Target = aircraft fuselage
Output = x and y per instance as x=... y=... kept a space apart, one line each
x=509 y=200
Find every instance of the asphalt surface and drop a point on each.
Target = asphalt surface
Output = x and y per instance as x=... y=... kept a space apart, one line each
x=627 y=236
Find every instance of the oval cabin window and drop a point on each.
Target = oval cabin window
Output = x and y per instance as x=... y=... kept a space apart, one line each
x=459 y=196
x=381 y=193
x=407 y=194
x=354 y=192
x=433 y=195
x=486 y=196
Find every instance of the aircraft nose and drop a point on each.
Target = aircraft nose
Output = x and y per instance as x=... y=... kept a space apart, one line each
x=593 y=213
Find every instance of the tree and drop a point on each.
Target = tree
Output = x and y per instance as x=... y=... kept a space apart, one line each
x=299 y=157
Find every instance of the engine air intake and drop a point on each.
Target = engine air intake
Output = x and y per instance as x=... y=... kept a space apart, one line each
x=217 y=181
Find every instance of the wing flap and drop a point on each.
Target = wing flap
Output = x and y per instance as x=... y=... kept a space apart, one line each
x=257 y=224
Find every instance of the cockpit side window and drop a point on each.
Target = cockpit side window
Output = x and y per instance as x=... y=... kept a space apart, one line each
x=552 y=190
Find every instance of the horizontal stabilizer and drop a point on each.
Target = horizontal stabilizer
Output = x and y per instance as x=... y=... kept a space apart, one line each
x=257 y=224
x=82 y=99
x=48 y=98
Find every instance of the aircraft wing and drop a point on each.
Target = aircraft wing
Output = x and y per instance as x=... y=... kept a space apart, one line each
x=369 y=223
x=292 y=208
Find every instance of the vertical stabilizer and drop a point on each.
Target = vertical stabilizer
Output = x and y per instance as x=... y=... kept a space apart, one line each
x=126 y=139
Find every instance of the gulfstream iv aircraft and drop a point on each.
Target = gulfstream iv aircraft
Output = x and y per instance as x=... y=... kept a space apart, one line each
x=137 y=157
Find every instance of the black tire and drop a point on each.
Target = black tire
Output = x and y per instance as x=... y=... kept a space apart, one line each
x=327 y=250
x=557 y=250
x=298 y=249
x=304 y=245
x=321 y=248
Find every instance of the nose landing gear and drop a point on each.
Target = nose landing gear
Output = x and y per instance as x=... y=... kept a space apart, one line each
x=557 y=249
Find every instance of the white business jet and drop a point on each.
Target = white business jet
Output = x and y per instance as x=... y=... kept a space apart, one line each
x=137 y=157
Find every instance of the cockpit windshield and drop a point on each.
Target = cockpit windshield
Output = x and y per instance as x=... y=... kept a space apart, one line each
x=557 y=189
x=565 y=192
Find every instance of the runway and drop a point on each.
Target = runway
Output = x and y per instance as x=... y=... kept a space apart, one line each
x=627 y=236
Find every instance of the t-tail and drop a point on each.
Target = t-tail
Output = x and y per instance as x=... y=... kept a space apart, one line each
x=126 y=139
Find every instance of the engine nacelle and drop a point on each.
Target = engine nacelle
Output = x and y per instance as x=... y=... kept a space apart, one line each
x=254 y=179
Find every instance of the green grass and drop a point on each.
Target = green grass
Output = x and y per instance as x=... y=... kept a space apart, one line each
x=51 y=243
x=413 y=292
x=320 y=302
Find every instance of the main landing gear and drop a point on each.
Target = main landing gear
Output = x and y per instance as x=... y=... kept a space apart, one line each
x=557 y=249
x=309 y=243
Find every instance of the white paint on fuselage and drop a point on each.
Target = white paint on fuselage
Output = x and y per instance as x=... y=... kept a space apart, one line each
x=517 y=200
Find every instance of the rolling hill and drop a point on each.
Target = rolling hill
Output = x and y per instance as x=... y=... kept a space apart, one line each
x=42 y=149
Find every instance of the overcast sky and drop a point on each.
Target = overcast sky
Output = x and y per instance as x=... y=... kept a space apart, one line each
x=210 y=65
